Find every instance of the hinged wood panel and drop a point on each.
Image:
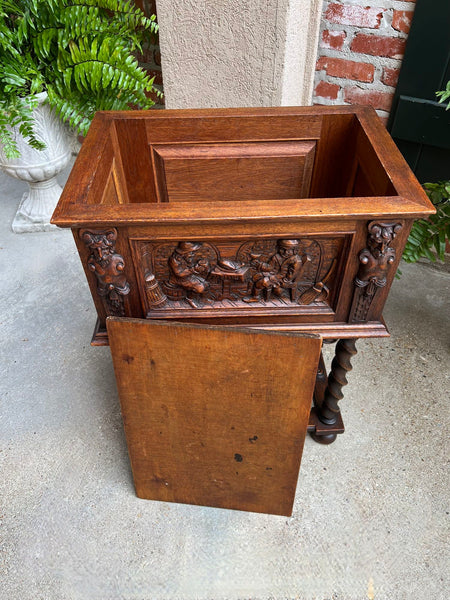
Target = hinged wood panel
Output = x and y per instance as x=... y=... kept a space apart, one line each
x=214 y=416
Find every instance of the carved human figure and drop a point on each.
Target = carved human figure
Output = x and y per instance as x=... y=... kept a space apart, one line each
x=189 y=269
x=376 y=259
x=280 y=272
x=108 y=267
x=374 y=263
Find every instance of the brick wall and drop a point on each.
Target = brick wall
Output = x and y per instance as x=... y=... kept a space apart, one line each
x=360 y=51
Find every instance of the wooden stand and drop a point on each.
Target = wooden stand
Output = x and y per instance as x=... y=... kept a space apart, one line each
x=277 y=219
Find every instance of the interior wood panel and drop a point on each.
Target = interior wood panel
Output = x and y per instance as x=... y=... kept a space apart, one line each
x=362 y=186
x=118 y=170
x=232 y=125
x=109 y=193
x=371 y=178
x=112 y=193
x=334 y=156
x=234 y=171
x=136 y=164
x=102 y=176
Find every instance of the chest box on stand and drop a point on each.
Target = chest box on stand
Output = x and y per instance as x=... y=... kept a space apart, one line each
x=288 y=219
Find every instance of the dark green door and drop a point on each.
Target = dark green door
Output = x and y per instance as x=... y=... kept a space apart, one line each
x=419 y=125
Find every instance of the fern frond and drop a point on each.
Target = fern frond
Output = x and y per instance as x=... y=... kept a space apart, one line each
x=428 y=237
x=18 y=113
x=444 y=95
x=90 y=66
x=80 y=51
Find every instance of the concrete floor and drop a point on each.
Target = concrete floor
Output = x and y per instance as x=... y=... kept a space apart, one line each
x=371 y=512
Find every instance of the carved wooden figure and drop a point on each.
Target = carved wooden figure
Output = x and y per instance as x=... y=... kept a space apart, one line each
x=108 y=267
x=280 y=219
x=375 y=262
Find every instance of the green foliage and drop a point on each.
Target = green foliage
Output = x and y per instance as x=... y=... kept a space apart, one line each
x=80 y=52
x=432 y=233
x=444 y=95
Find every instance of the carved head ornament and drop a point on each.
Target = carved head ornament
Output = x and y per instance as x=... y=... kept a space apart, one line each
x=101 y=243
x=381 y=235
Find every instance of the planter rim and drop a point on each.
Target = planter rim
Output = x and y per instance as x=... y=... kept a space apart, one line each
x=37 y=166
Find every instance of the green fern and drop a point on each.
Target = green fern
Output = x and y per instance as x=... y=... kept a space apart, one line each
x=81 y=53
x=444 y=95
x=429 y=236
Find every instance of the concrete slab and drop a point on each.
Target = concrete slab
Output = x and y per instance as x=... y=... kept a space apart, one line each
x=371 y=512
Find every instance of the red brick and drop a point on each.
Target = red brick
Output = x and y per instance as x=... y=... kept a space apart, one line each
x=377 y=45
x=327 y=90
x=147 y=6
x=149 y=55
x=354 y=15
x=380 y=100
x=339 y=67
x=333 y=40
x=390 y=76
x=401 y=20
x=157 y=74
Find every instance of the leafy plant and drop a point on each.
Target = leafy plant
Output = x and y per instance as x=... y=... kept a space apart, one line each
x=80 y=52
x=444 y=95
x=433 y=232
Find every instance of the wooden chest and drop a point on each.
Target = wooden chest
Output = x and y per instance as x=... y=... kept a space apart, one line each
x=288 y=219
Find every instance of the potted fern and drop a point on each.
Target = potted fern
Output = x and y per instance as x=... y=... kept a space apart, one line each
x=62 y=61
x=429 y=237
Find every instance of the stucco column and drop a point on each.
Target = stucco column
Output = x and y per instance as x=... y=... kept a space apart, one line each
x=238 y=52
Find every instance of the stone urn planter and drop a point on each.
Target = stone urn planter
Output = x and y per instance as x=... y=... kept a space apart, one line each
x=39 y=169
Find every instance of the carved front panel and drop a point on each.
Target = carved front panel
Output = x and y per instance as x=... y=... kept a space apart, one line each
x=239 y=277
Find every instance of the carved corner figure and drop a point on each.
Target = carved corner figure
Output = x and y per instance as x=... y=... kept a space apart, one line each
x=280 y=273
x=375 y=262
x=188 y=272
x=108 y=267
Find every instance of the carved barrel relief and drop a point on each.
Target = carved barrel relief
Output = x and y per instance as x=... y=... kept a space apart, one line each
x=266 y=273
x=108 y=267
x=374 y=264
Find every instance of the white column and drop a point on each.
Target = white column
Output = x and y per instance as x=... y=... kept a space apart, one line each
x=232 y=53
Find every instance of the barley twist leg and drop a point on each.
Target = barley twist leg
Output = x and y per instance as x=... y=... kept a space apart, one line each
x=329 y=409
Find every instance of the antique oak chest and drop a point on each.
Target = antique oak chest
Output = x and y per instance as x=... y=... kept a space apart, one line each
x=284 y=219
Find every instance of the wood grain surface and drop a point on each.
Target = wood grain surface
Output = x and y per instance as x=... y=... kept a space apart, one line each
x=214 y=416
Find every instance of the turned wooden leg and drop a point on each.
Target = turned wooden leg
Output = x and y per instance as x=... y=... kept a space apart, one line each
x=328 y=411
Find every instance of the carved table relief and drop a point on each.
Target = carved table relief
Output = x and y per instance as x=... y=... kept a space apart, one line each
x=247 y=275
x=108 y=267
